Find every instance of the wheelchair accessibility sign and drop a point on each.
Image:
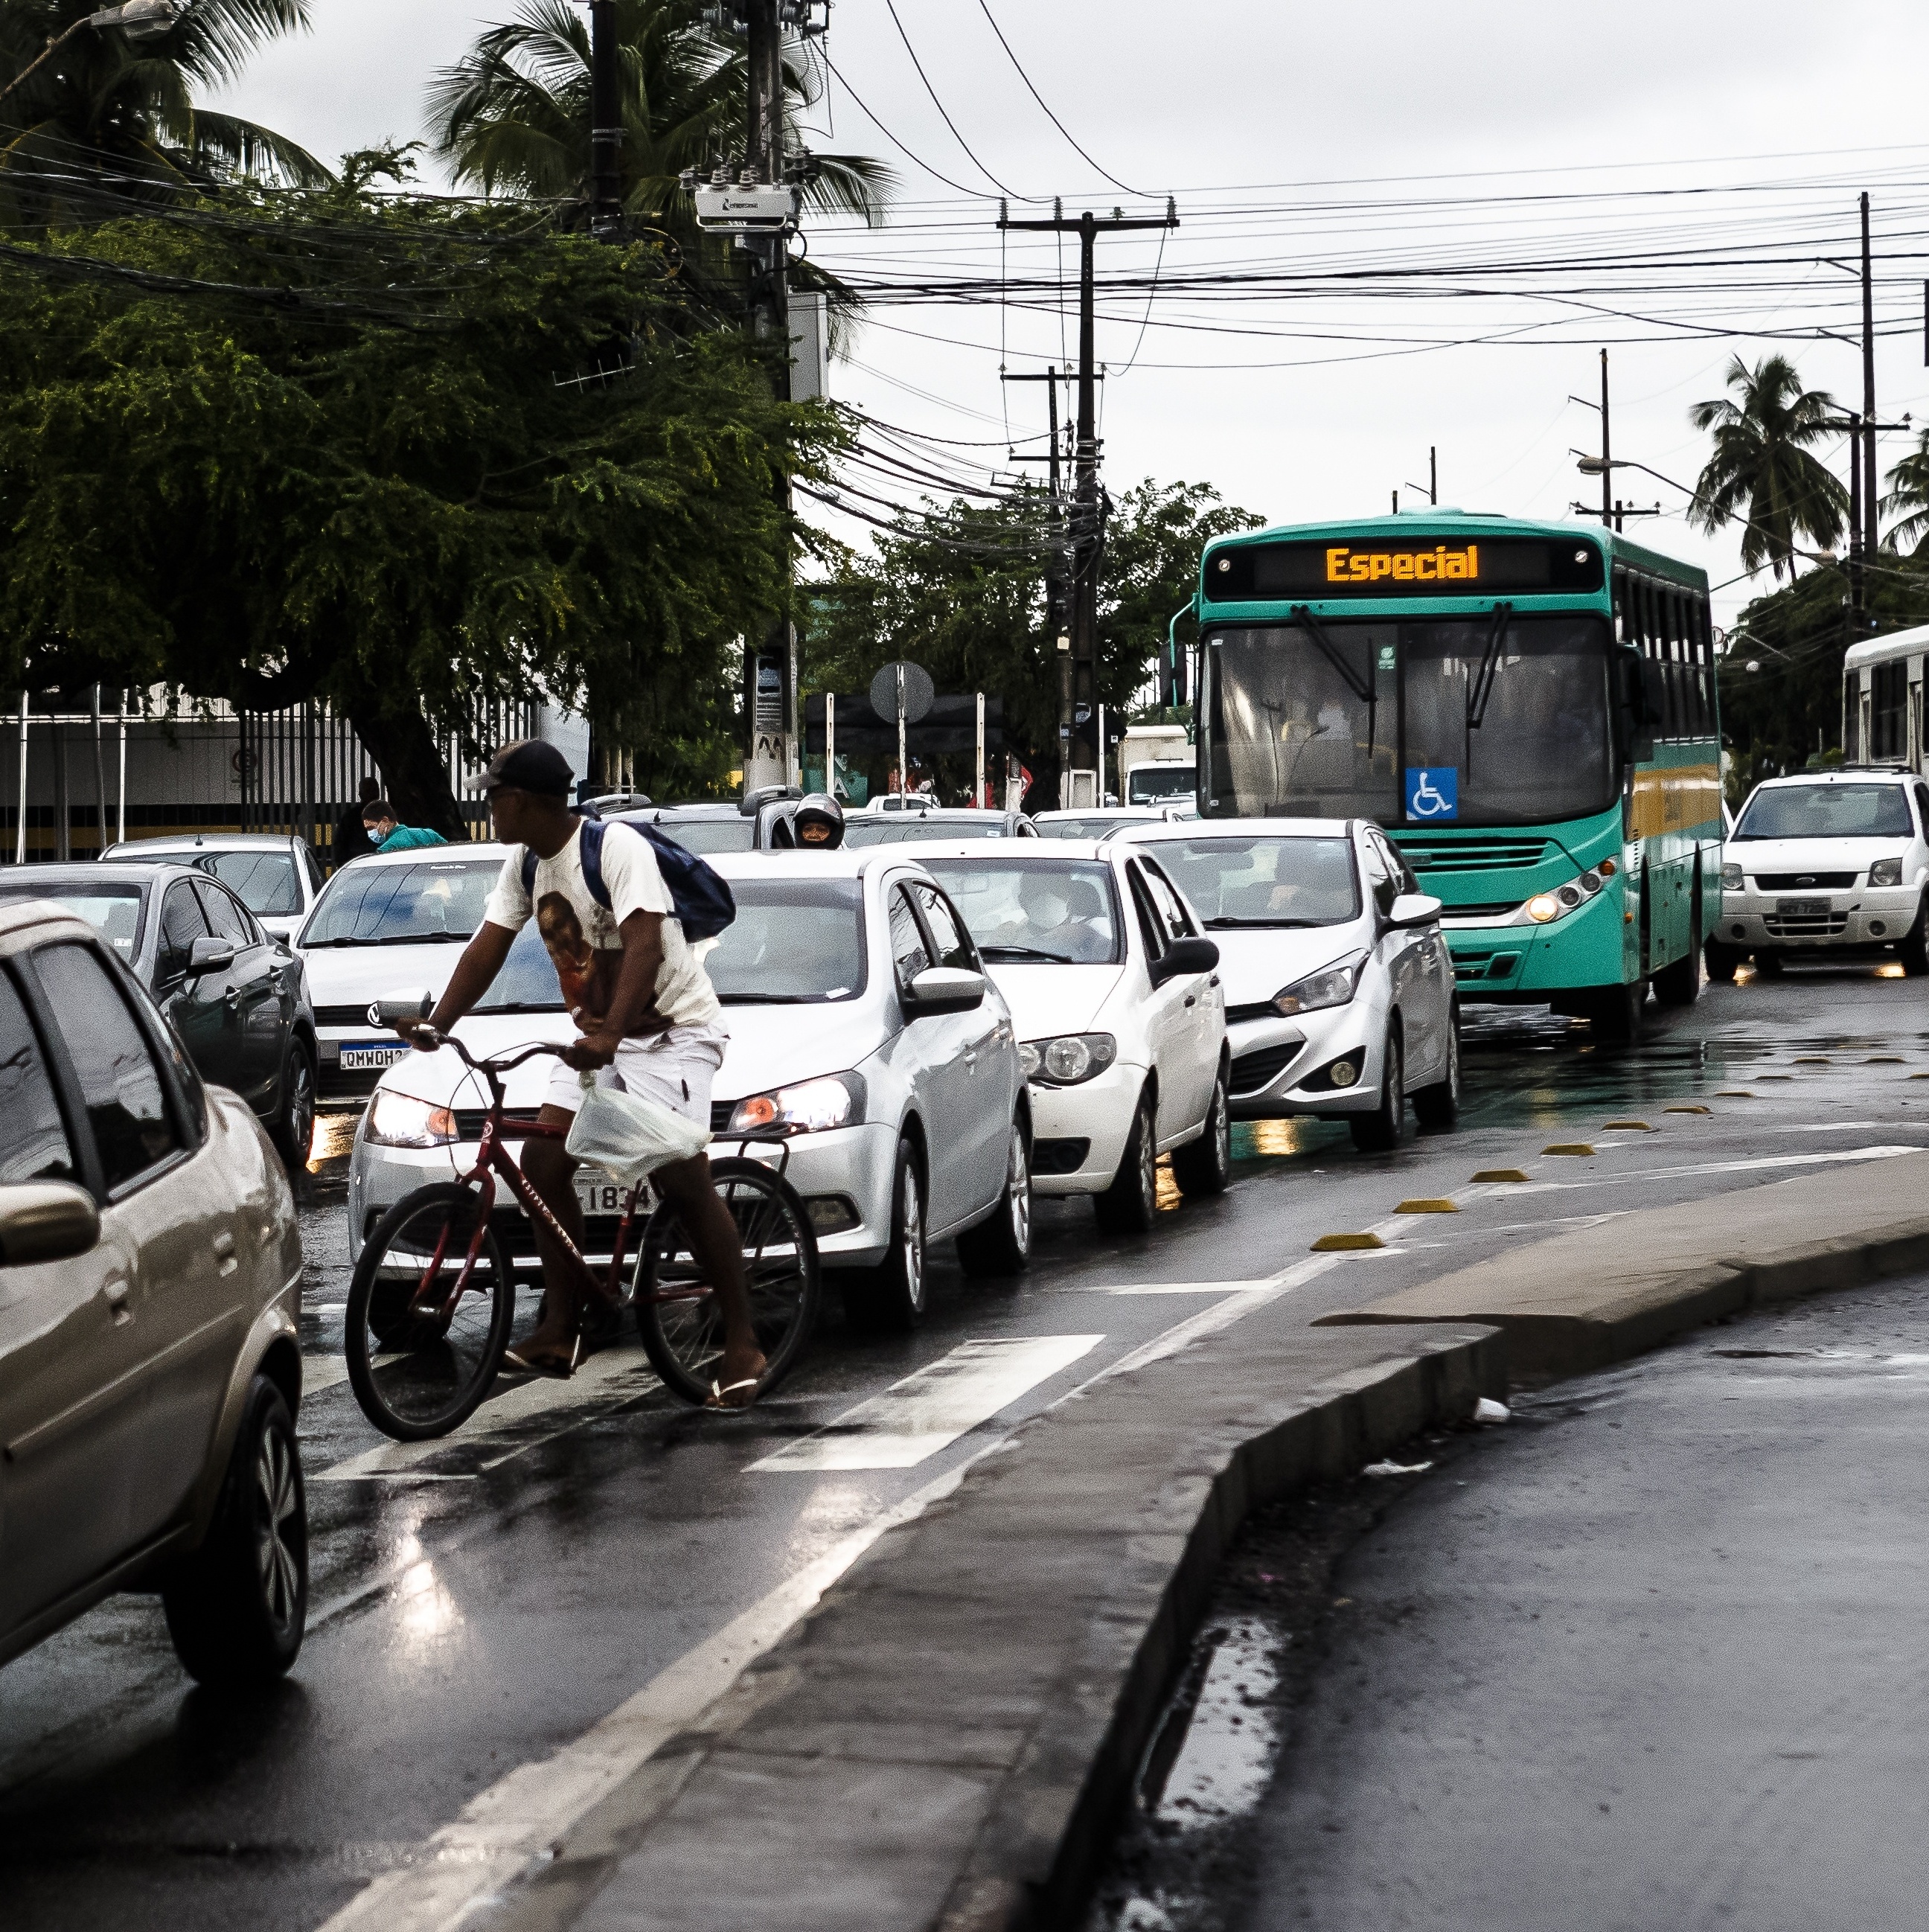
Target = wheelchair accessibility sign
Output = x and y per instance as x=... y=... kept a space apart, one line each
x=1433 y=791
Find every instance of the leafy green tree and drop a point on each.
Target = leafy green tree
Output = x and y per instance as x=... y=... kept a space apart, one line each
x=513 y=115
x=961 y=589
x=1908 y=497
x=1761 y=472
x=378 y=451
x=108 y=121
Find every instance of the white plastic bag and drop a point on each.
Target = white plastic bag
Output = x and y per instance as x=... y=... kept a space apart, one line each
x=628 y=1137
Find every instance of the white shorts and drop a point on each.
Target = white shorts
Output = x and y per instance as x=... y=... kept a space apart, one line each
x=674 y=1068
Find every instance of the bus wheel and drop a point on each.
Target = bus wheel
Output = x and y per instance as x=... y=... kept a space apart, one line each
x=1615 y=1012
x=1914 y=950
x=1678 y=983
x=1722 y=962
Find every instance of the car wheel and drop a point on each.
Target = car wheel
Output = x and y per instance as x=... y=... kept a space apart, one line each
x=1382 y=1130
x=1914 y=950
x=1768 y=965
x=1721 y=961
x=294 y=1130
x=1130 y=1204
x=1204 y=1166
x=1437 y=1108
x=1002 y=1245
x=889 y=1298
x=237 y=1606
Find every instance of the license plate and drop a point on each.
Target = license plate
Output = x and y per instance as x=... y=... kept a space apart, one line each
x=607 y=1197
x=367 y=1056
x=1802 y=908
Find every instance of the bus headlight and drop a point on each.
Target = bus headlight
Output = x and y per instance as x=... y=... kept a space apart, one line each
x=1544 y=907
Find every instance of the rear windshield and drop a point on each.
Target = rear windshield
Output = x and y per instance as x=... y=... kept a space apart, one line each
x=734 y=834
x=113 y=911
x=430 y=902
x=1096 y=826
x=264 y=882
x=1271 y=882
x=1027 y=911
x=1146 y=784
x=793 y=942
x=901 y=829
x=1826 y=811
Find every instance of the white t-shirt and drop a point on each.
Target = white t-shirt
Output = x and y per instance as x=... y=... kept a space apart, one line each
x=583 y=937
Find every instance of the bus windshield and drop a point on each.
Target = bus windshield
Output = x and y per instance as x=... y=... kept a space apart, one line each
x=1336 y=726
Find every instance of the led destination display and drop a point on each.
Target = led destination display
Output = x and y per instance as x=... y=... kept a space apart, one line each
x=1375 y=566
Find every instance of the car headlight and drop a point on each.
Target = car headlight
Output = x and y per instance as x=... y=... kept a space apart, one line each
x=1731 y=878
x=810 y=1107
x=1066 y=1060
x=400 y=1119
x=1331 y=986
x=1885 y=872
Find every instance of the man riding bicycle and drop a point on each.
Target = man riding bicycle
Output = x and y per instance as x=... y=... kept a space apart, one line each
x=651 y=1023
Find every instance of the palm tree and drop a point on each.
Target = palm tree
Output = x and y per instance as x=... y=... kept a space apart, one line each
x=1762 y=472
x=513 y=114
x=1909 y=490
x=107 y=120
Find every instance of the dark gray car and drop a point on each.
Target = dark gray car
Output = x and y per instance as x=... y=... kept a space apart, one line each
x=237 y=998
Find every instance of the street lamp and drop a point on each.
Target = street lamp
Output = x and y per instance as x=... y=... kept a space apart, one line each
x=139 y=19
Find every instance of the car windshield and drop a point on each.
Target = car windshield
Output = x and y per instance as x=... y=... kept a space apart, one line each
x=1147 y=785
x=527 y=983
x=113 y=911
x=1093 y=825
x=902 y=830
x=1382 y=728
x=736 y=833
x=1826 y=811
x=794 y=942
x=430 y=902
x=1265 y=881
x=1026 y=911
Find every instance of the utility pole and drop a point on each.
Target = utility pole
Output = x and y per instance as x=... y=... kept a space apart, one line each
x=606 y=125
x=1870 y=532
x=1607 y=452
x=1087 y=532
x=1856 y=525
x=1057 y=625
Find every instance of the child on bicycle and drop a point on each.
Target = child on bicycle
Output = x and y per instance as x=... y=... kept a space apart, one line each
x=651 y=1024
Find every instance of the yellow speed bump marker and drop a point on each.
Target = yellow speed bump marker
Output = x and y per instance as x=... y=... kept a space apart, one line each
x=1500 y=1174
x=1732 y=1093
x=1709 y=1110
x=1442 y=1206
x=1627 y=1127
x=1331 y=1244
x=1919 y=1076
x=1568 y=1146
x=1883 y=1060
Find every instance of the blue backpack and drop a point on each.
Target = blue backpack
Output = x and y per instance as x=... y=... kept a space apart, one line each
x=700 y=894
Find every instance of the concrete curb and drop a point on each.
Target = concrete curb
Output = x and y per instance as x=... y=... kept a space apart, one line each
x=1582 y=1301
x=945 y=1740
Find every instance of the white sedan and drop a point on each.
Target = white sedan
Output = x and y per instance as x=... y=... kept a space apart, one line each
x=861 y=1025
x=1116 y=997
x=1339 y=988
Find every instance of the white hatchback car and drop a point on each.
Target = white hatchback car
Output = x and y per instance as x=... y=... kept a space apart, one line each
x=1338 y=987
x=861 y=1023
x=1826 y=862
x=1117 y=996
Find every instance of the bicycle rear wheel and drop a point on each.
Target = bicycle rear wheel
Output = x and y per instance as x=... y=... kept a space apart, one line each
x=678 y=1316
x=423 y=1342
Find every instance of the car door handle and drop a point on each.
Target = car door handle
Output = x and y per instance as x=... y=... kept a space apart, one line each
x=1192 y=999
x=115 y=1289
x=224 y=1252
x=231 y=999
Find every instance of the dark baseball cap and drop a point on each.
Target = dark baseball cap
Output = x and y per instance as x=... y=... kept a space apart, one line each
x=529 y=765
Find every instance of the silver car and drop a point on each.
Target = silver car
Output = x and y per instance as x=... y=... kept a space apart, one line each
x=274 y=874
x=862 y=1024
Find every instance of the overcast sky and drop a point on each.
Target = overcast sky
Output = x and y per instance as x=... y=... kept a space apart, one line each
x=1297 y=136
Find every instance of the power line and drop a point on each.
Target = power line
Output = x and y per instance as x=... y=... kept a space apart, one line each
x=891 y=8
x=916 y=161
x=1049 y=115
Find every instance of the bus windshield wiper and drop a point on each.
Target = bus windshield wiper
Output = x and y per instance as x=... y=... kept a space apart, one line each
x=1360 y=686
x=1482 y=687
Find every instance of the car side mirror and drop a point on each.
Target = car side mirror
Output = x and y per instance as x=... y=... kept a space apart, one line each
x=399 y=1008
x=942 y=989
x=210 y=955
x=1182 y=958
x=46 y=1221
x=1412 y=909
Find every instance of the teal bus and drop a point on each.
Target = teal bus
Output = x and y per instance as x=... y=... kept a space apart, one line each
x=1528 y=709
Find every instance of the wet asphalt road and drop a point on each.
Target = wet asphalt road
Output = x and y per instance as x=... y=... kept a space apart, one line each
x=478 y=1605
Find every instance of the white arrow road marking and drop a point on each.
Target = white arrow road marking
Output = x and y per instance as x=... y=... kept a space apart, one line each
x=913 y=1420
x=519 y=1419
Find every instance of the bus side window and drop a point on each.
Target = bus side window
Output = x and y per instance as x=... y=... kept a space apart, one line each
x=1623 y=630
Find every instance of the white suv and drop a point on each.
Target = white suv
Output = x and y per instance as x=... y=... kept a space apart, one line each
x=1826 y=862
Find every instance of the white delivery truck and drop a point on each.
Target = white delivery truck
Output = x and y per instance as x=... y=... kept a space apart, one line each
x=1156 y=765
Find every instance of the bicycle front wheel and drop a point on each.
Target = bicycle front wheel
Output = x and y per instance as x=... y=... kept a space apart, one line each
x=679 y=1317
x=426 y=1327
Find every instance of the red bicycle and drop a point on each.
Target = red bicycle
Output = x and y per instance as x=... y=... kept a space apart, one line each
x=433 y=1298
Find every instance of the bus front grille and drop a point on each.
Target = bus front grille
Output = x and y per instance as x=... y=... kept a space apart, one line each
x=1496 y=855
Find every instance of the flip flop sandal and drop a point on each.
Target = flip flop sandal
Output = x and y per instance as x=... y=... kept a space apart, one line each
x=718 y=1390
x=557 y=1371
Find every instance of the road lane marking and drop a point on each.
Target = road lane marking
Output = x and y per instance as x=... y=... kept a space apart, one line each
x=1725 y=1167
x=1160 y=1287
x=520 y=1419
x=913 y=1419
x=322 y=1372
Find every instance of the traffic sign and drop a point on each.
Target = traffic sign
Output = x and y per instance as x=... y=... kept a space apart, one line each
x=918 y=693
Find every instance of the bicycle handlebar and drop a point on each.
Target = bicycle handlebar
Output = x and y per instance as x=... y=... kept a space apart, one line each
x=426 y=1039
